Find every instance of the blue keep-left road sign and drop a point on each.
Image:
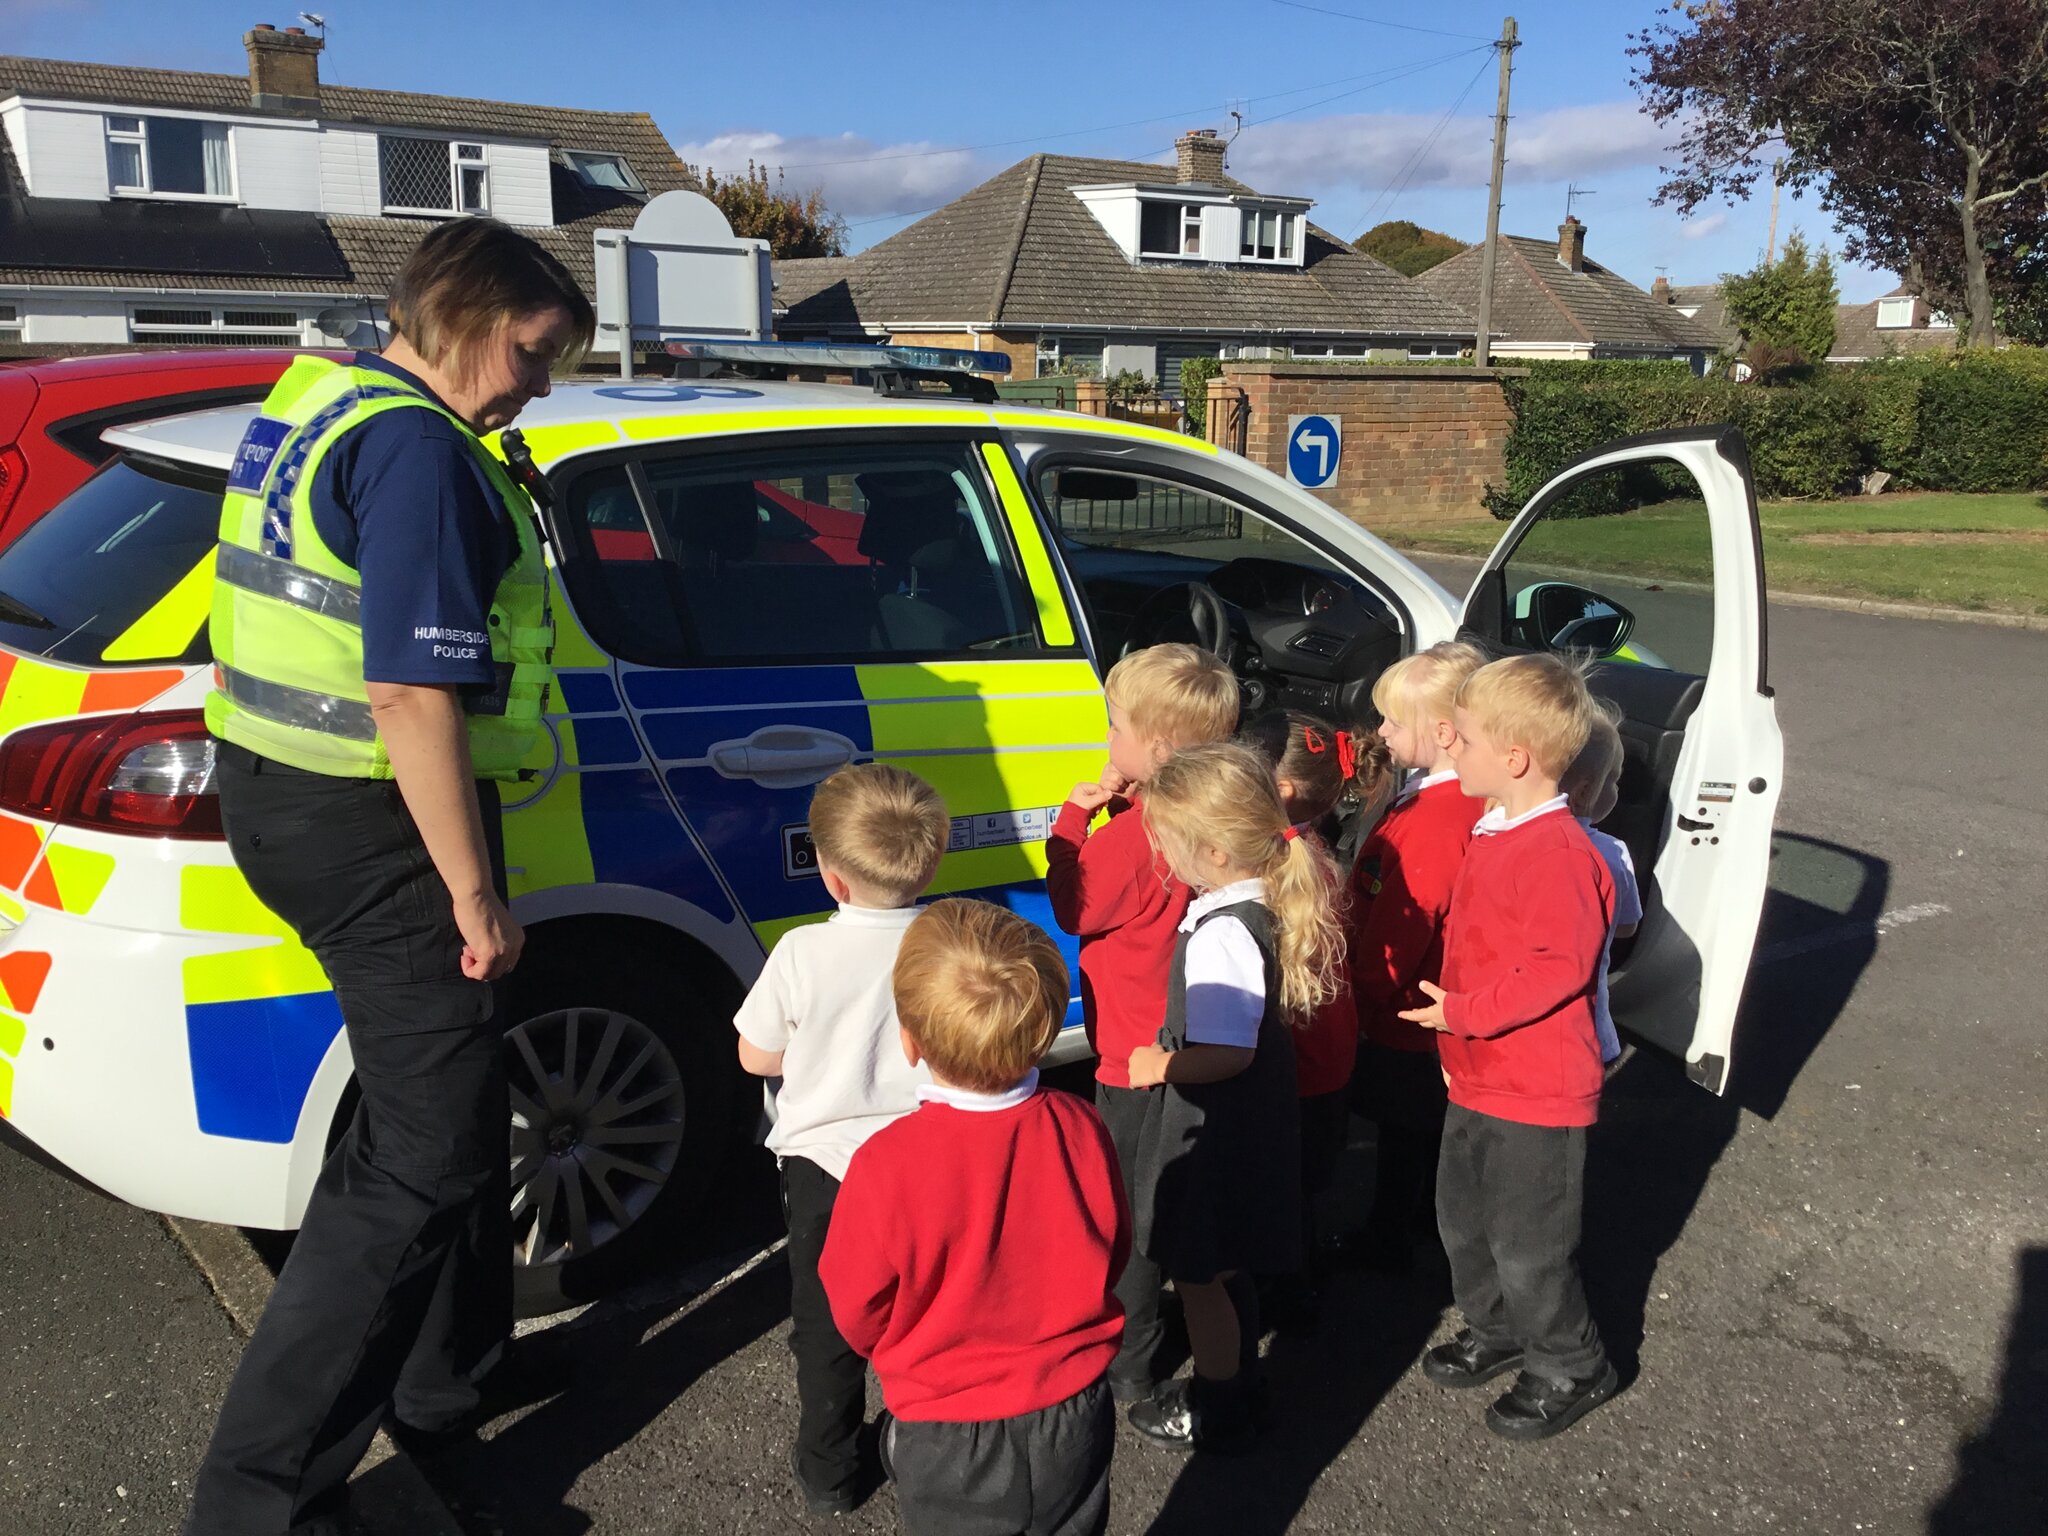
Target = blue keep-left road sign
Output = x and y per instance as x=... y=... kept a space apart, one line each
x=1314 y=445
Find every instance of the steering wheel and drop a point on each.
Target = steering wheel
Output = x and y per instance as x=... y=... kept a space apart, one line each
x=1188 y=609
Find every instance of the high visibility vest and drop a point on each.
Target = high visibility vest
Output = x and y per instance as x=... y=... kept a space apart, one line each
x=287 y=611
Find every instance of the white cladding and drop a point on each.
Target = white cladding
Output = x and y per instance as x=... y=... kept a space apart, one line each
x=350 y=181
x=277 y=166
x=62 y=152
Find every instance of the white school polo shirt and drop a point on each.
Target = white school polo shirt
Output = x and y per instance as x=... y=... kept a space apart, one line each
x=824 y=1000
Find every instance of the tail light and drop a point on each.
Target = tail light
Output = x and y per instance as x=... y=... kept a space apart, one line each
x=13 y=476
x=148 y=775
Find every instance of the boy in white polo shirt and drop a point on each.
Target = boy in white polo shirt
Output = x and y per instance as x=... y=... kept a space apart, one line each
x=822 y=1018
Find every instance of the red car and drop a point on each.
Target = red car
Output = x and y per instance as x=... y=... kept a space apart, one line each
x=52 y=411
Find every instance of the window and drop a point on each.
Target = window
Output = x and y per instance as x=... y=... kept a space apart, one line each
x=85 y=571
x=829 y=553
x=1169 y=229
x=1421 y=351
x=433 y=175
x=605 y=171
x=1621 y=567
x=1894 y=314
x=1267 y=235
x=169 y=157
x=10 y=322
x=203 y=325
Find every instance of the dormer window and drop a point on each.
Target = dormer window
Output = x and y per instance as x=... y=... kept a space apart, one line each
x=423 y=175
x=1169 y=229
x=605 y=172
x=1895 y=314
x=168 y=157
x=1268 y=235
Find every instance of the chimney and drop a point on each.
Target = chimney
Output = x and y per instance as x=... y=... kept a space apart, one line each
x=1571 y=244
x=284 y=69
x=1660 y=290
x=1201 y=156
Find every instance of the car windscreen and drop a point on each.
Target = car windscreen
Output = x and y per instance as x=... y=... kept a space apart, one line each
x=80 y=576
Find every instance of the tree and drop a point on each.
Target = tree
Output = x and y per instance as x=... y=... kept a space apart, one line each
x=1407 y=247
x=795 y=224
x=1785 y=306
x=1919 y=121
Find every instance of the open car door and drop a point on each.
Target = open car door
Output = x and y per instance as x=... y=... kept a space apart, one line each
x=1644 y=559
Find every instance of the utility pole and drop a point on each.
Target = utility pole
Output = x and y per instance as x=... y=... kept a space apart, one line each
x=1777 y=180
x=1482 y=349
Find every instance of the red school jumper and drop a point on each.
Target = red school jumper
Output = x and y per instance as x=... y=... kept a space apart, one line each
x=1117 y=895
x=1522 y=950
x=1400 y=896
x=973 y=1255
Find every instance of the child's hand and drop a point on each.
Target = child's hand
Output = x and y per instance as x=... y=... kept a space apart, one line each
x=1148 y=1066
x=1090 y=796
x=1115 y=782
x=1431 y=1017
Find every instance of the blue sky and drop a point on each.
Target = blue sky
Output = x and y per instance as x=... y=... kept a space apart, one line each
x=896 y=106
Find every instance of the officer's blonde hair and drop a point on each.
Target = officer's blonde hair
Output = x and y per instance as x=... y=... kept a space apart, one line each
x=1176 y=693
x=1222 y=796
x=881 y=826
x=1538 y=703
x=470 y=278
x=981 y=991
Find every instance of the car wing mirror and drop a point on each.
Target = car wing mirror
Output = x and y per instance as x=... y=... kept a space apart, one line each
x=1558 y=616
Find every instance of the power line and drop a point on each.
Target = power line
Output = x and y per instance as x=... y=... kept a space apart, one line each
x=1374 y=21
x=1387 y=77
x=1374 y=77
x=1391 y=194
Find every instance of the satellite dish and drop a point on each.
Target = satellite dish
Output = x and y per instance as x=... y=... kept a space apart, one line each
x=339 y=321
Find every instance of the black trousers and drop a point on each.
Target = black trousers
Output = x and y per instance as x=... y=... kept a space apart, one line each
x=831 y=1380
x=1039 y=1474
x=1123 y=1111
x=1402 y=1093
x=399 y=1285
x=1508 y=1200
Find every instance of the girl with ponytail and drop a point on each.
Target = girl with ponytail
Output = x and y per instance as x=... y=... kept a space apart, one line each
x=1217 y=1192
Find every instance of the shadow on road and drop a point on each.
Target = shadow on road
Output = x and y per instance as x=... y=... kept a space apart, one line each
x=2001 y=1483
x=1659 y=1136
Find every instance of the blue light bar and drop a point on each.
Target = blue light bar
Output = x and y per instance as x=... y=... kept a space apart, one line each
x=834 y=354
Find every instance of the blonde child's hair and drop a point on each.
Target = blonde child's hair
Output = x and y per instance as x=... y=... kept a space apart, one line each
x=1178 y=693
x=1423 y=688
x=881 y=826
x=1536 y=702
x=982 y=991
x=1591 y=783
x=1223 y=795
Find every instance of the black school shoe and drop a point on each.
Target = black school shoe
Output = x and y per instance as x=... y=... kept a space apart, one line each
x=1538 y=1407
x=1465 y=1362
x=1190 y=1414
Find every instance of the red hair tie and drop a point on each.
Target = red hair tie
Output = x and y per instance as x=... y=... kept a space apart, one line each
x=1347 y=754
x=1290 y=834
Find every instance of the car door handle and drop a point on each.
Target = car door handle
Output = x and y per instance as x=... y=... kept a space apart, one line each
x=781 y=756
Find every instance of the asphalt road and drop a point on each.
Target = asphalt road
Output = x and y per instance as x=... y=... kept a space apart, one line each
x=1830 y=1289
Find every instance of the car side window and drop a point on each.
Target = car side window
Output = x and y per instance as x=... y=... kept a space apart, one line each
x=830 y=553
x=1620 y=567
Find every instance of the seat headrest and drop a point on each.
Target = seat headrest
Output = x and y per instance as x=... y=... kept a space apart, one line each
x=719 y=517
x=911 y=518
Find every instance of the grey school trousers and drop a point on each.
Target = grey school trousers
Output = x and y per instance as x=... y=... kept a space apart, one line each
x=1039 y=1474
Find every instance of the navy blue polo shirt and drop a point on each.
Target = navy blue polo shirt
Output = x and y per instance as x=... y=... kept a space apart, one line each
x=403 y=499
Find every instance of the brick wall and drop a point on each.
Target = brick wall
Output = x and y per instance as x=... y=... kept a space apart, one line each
x=1420 y=444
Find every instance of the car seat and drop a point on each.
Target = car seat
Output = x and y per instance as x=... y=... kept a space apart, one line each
x=913 y=533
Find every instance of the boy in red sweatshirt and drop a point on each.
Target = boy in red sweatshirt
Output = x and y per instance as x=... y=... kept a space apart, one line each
x=976 y=1244
x=1400 y=896
x=1522 y=952
x=1114 y=891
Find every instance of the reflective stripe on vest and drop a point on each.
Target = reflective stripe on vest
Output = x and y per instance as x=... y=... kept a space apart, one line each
x=287 y=611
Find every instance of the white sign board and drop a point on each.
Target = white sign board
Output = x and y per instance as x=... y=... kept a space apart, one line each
x=1315 y=444
x=686 y=273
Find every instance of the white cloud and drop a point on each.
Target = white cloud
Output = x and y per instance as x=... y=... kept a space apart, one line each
x=1371 y=151
x=860 y=178
x=1700 y=228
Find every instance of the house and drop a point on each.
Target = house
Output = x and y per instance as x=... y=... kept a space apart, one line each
x=1069 y=263
x=1550 y=301
x=1704 y=303
x=1896 y=324
x=157 y=207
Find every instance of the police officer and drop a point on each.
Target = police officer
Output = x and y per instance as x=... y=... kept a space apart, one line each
x=381 y=630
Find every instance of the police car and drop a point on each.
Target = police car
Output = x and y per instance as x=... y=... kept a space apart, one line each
x=754 y=583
